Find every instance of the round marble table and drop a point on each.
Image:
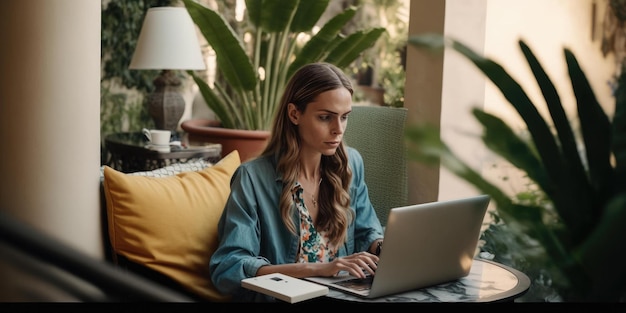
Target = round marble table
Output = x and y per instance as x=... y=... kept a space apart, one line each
x=487 y=281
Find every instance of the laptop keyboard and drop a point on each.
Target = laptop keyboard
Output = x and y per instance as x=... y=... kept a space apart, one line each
x=359 y=284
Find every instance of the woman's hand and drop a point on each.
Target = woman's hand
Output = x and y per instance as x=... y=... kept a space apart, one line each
x=357 y=264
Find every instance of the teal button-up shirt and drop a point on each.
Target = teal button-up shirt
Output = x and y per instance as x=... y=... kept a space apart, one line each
x=252 y=234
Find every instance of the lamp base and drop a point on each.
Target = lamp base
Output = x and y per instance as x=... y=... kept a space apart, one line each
x=166 y=105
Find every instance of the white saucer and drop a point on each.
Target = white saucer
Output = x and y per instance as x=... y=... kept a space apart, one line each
x=160 y=148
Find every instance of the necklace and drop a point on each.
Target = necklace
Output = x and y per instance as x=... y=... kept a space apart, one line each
x=313 y=196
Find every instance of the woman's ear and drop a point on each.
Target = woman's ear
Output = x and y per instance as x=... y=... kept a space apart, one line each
x=293 y=113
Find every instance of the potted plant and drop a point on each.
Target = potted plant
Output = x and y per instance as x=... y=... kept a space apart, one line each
x=244 y=101
x=580 y=227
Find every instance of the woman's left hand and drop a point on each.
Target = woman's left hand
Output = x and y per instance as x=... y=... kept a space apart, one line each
x=357 y=264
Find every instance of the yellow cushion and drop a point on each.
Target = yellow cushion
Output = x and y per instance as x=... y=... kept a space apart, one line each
x=169 y=224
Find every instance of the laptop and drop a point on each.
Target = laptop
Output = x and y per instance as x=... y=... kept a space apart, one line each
x=425 y=244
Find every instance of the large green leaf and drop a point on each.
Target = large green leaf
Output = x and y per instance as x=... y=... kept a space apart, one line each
x=353 y=46
x=595 y=124
x=573 y=176
x=500 y=138
x=308 y=14
x=553 y=101
x=271 y=15
x=314 y=49
x=619 y=133
x=596 y=133
x=213 y=101
x=231 y=57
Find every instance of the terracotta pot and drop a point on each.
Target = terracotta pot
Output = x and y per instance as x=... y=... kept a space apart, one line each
x=249 y=143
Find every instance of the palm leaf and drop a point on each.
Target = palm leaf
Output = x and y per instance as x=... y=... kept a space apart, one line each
x=595 y=124
x=314 y=49
x=500 y=138
x=307 y=15
x=231 y=57
x=573 y=176
x=618 y=143
x=553 y=101
x=273 y=8
x=271 y=15
x=352 y=46
x=212 y=100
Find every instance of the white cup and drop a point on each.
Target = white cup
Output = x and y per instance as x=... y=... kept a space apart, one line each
x=158 y=137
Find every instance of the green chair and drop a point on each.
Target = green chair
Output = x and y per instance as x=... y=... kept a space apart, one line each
x=377 y=132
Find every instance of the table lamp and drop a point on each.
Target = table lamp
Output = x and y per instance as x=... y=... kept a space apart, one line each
x=167 y=42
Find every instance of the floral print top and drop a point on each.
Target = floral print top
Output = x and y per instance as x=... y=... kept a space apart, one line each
x=315 y=247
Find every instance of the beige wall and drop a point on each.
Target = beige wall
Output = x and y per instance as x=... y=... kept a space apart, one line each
x=451 y=86
x=50 y=117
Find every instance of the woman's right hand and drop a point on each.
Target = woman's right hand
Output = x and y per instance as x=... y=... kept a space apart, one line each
x=358 y=264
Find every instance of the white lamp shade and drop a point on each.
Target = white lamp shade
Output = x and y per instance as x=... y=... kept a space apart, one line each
x=168 y=40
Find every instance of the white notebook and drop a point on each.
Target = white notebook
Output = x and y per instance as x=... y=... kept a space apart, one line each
x=283 y=287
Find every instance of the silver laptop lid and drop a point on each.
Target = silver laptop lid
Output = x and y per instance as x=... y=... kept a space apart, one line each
x=429 y=243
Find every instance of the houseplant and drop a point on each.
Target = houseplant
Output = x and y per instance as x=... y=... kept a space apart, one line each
x=242 y=98
x=580 y=223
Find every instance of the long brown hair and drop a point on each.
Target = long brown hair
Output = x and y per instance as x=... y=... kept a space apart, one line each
x=303 y=87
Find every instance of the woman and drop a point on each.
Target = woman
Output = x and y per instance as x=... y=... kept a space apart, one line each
x=301 y=208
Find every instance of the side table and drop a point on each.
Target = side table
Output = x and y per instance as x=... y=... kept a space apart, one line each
x=129 y=153
x=487 y=281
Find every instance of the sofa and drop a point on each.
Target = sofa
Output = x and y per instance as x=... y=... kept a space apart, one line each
x=162 y=224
